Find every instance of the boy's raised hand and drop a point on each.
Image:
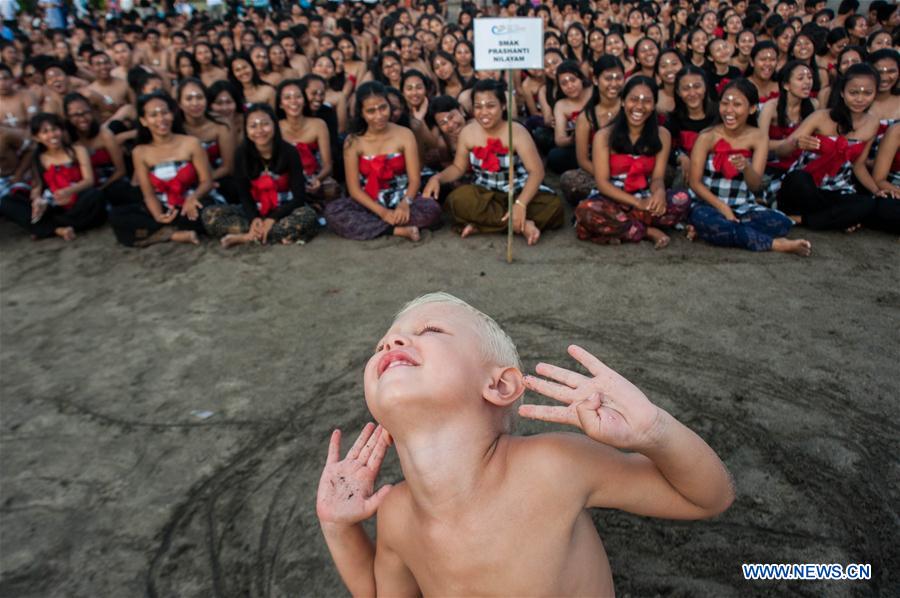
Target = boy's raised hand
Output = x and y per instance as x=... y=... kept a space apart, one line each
x=346 y=489
x=607 y=407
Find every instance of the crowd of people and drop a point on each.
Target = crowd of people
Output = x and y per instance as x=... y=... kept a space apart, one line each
x=733 y=120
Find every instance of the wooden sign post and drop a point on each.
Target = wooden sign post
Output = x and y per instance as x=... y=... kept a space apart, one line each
x=509 y=44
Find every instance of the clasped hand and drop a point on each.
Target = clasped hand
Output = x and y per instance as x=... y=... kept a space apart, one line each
x=399 y=216
x=604 y=405
x=655 y=204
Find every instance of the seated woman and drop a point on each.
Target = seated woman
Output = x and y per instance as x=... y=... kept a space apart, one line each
x=763 y=59
x=247 y=81
x=781 y=117
x=819 y=191
x=63 y=198
x=887 y=163
x=609 y=77
x=224 y=102
x=694 y=111
x=381 y=161
x=482 y=206
x=174 y=176
x=216 y=137
x=629 y=166
x=726 y=169
x=309 y=135
x=667 y=66
x=574 y=93
x=107 y=160
x=887 y=101
x=271 y=187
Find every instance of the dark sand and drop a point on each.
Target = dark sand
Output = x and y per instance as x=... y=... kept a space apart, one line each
x=110 y=487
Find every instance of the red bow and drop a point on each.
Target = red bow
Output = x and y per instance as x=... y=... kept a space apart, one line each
x=722 y=85
x=637 y=168
x=687 y=139
x=60 y=177
x=264 y=190
x=308 y=157
x=723 y=151
x=378 y=171
x=175 y=187
x=488 y=154
x=212 y=152
x=834 y=154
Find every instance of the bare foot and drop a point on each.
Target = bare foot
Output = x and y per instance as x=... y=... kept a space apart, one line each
x=852 y=229
x=800 y=247
x=185 y=236
x=409 y=232
x=659 y=238
x=690 y=233
x=66 y=233
x=233 y=240
x=468 y=231
x=531 y=233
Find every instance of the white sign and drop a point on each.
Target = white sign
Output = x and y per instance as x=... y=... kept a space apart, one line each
x=516 y=43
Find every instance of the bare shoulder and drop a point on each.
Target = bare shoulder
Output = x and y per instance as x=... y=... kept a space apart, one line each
x=394 y=513
x=556 y=455
x=664 y=135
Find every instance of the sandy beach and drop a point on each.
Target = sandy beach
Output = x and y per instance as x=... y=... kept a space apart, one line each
x=165 y=412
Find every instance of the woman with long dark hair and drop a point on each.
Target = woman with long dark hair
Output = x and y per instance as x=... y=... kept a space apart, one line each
x=309 y=135
x=324 y=67
x=245 y=78
x=224 y=101
x=217 y=138
x=273 y=207
x=609 y=78
x=210 y=72
x=781 y=117
x=174 y=177
x=63 y=198
x=481 y=207
x=629 y=166
x=886 y=172
x=574 y=93
x=726 y=170
x=381 y=160
x=763 y=59
x=444 y=66
x=668 y=63
x=819 y=191
x=887 y=101
x=694 y=111
x=105 y=154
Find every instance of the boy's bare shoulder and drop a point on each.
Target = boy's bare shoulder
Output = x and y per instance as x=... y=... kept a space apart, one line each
x=555 y=457
x=393 y=512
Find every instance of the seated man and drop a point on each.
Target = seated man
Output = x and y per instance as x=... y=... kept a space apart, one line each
x=482 y=511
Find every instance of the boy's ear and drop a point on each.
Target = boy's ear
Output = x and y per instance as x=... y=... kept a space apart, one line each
x=505 y=387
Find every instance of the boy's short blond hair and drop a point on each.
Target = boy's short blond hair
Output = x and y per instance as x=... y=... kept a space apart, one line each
x=497 y=347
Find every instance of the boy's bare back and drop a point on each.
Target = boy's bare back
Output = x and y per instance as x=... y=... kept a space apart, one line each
x=481 y=512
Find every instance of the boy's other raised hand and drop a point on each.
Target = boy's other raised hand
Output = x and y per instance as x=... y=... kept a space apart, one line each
x=607 y=407
x=346 y=489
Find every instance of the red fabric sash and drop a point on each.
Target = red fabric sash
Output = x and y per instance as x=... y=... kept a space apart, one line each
x=62 y=176
x=212 y=152
x=722 y=151
x=308 y=159
x=771 y=96
x=488 y=154
x=687 y=139
x=834 y=153
x=177 y=186
x=100 y=157
x=265 y=189
x=722 y=85
x=778 y=133
x=638 y=168
x=378 y=171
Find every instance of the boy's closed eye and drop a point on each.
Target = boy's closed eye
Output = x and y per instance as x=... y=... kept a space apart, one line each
x=419 y=332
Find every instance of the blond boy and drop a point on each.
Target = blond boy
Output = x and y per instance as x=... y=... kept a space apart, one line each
x=481 y=511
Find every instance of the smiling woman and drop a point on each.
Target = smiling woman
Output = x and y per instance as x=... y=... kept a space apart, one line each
x=381 y=160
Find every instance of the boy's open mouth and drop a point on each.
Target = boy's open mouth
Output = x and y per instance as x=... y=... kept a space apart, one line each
x=395 y=358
